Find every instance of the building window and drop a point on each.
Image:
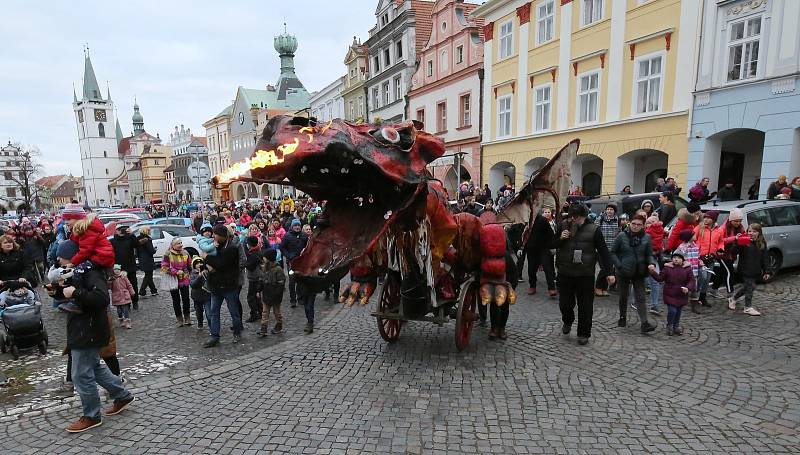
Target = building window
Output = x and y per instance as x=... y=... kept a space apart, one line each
x=360 y=106
x=648 y=85
x=504 y=116
x=441 y=117
x=506 y=39
x=105 y=154
x=588 y=97
x=351 y=108
x=352 y=72
x=11 y=192
x=387 y=58
x=101 y=130
x=106 y=171
x=460 y=54
x=421 y=116
x=386 y=93
x=429 y=71
x=464 y=108
x=376 y=64
x=398 y=50
x=384 y=19
x=375 y=98
x=743 y=44
x=542 y=108
x=8 y=175
x=545 y=15
x=398 y=88
x=592 y=11
x=443 y=61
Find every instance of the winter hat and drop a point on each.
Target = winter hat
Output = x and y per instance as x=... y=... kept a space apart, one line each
x=652 y=219
x=678 y=254
x=220 y=230
x=67 y=249
x=271 y=254
x=117 y=267
x=646 y=202
x=713 y=214
x=686 y=235
x=693 y=207
x=206 y=227
x=73 y=212
x=736 y=214
x=296 y=222
x=196 y=260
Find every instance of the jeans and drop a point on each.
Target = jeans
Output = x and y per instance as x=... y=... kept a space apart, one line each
x=545 y=259
x=231 y=298
x=624 y=286
x=111 y=362
x=307 y=300
x=578 y=290
x=123 y=311
x=673 y=316
x=655 y=290
x=182 y=293
x=87 y=374
x=147 y=282
x=749 y=286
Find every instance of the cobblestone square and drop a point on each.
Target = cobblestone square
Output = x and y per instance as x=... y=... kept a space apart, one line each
x=728 y=385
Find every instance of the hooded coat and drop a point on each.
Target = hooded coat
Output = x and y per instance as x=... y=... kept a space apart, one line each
x=631 y=254
x=90 y=235
x=674 y=278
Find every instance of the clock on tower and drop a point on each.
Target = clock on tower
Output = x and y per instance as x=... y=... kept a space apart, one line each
x=100 y=115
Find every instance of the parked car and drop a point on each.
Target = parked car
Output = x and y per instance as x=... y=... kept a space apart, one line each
x=629 y=203
x=109 y=217
x=168 y=220
x=780 y=220
x=111 y=227
x=139 y=213
x=162 y=236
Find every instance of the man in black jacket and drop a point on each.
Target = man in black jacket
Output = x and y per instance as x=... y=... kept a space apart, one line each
x=223 y=282
x=125 y=251
x=632 y=254
x=541 y=236
x=87 y=332
x=580 y=246
x=291 y=246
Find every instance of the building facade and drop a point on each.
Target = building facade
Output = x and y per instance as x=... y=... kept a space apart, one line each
x=401 y=29
x=180 y=139
x=615 y=74
x=446 y=91
x=136 y=184
x=328 y=103
x=746 y=121
x=65 y=193
x=153 y=162
x=46 y=187
x=218 y=131
x=192 y=173
x=10 y=173
x=169 y=183
x=353 y=95
x=97 y=140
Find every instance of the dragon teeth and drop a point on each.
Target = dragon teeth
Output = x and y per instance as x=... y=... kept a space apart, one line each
x=303 y=169
x=344 y=170
x=387 y=215
x=358 y=161
x=324 y=170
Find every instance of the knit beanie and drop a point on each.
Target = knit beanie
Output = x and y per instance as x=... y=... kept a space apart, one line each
x=73 y=212
x=296 y=222
x=67 y=249
x=736 y=214
x=686 y=235
x=713 y=214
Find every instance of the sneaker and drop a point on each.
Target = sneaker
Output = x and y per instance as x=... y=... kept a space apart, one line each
x=566 y=328
x=677 y=331
x=647 y=327
x=622 y=322
x=128 y=324
x=732 y=303
x=82 y=424
x=66 y=388
x=583 y=341
x=552 y=293
x=211 y=342
x=237 y=338
x=187 y=320
x=121 y=322
x=278 y=329
x=655 y=311
x=751 y=311
x=531 y=291
x=118 y=406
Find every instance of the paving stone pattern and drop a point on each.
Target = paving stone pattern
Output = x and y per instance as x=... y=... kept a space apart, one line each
x=730 y=384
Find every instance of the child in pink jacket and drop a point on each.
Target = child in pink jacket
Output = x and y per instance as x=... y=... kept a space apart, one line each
x=121 y=295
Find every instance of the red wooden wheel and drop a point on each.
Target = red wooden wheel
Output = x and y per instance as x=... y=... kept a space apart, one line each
x=389 y=302
x=467 y=314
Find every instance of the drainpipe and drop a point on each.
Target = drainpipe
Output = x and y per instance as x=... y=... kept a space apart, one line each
x=696 y=70
x=480 y=125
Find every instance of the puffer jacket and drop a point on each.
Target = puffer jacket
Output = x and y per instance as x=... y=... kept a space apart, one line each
x=707 y=239
x=685 y=221
x=90 y=328
x=726 y=247
x=674 y=278
x=177 y=264
x=15 y=265
x=656 y=233
x=752 y=261
x=121 y=290
x=631 y=254
x=145 y=253
x=90 y=235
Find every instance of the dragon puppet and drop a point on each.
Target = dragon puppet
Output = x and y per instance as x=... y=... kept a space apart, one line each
x=385 y=213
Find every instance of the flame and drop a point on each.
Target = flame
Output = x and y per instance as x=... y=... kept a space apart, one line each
x=262 y=158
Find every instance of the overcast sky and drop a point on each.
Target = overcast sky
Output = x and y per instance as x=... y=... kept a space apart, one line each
x=182 y=60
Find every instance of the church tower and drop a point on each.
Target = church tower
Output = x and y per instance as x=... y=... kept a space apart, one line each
x=97 y=139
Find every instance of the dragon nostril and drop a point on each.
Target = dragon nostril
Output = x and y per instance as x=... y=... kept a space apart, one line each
x=390 y=135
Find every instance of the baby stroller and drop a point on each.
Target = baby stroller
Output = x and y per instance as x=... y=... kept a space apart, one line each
x=21 y=325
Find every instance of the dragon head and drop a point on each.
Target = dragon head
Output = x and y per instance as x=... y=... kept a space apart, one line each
x=368 y=174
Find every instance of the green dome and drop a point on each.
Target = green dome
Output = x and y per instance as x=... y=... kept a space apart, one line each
x=285 y=44
x=137 y=116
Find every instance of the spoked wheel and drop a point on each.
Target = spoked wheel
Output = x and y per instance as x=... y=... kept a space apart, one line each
x=43 y=344
x=3 y=348
x=466 y=314
x=389 y=302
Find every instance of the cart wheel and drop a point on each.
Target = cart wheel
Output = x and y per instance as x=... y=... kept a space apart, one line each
x=43 y=344
x=14 y=351
x=390 y=300
x=3 y=348
x=466 y=315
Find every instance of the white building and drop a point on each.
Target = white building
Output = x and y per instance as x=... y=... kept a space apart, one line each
x=97 y=139
x=328 y=103
x=218 y=131
x=180 y=139
x=10 y=192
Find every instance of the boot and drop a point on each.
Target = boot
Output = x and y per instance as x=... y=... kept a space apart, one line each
x=309 y=329
x=264 y=331
x=647 y=327
x=670 y=332
x=187 y=320
x=178 y=322
x=677 y=331
x=278 y=328
x=622 y=322
x=493 y=334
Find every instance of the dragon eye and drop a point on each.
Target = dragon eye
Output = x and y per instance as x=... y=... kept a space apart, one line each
x=390 y=135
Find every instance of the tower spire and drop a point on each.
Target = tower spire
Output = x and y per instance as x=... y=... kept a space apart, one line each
x=108 y=91
x=74 y=95
x=138 y=119
x=91 y=91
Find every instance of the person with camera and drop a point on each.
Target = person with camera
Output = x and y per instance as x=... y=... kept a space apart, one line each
x=579 y=247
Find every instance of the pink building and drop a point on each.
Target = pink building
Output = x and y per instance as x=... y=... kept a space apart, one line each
x=446 y=91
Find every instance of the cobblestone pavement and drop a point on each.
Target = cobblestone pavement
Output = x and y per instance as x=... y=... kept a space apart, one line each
x=730 y=384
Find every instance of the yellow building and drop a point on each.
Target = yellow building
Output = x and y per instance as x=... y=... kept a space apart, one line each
x=153 y=161
x=617 y=74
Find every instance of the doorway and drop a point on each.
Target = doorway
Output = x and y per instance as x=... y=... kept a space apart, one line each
x=731 y=169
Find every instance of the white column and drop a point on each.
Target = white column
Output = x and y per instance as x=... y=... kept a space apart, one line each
x=615 y=60
x=488 y=94
x=522 y=80
x=564 y=68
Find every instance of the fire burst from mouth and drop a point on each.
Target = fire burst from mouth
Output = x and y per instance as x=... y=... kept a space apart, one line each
x=264 y=158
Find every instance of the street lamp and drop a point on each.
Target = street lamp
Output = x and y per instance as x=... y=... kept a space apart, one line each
x=195 y=148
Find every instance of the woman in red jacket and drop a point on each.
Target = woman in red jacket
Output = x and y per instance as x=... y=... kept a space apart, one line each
x=687 y=219
x=90 y=235
x=726 y=251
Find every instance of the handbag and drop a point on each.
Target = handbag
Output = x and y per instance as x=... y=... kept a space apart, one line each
x=169 y=282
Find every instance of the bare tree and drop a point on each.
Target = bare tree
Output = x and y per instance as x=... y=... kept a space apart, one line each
x=26 y=170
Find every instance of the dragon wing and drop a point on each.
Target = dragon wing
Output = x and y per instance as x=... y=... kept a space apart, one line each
x=547 y=187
